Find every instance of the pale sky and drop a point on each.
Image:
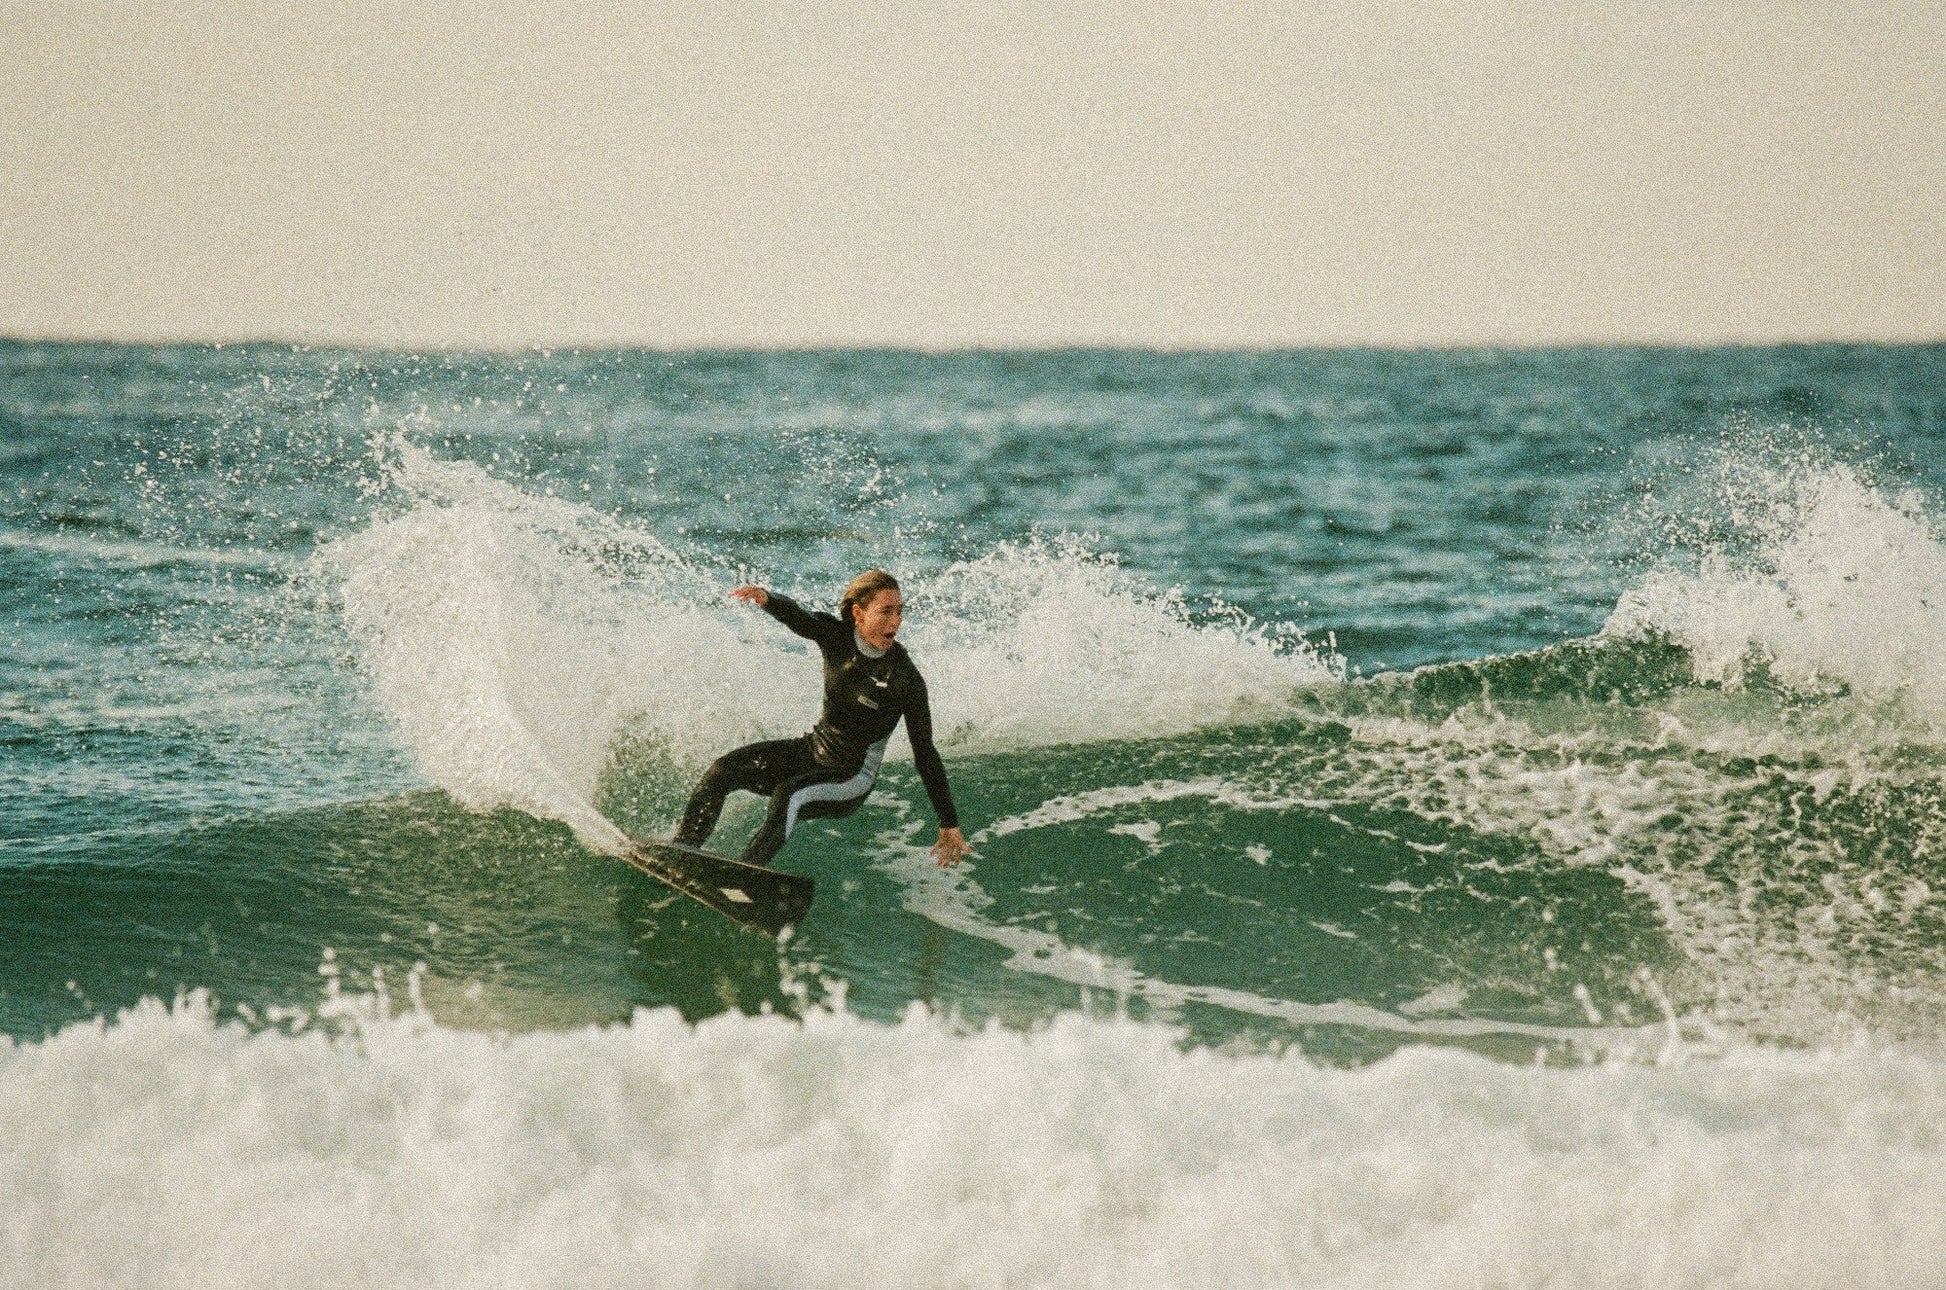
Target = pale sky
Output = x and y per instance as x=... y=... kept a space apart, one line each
x=990 y=174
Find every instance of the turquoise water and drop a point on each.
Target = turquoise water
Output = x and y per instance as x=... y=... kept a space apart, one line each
x=1472 y=817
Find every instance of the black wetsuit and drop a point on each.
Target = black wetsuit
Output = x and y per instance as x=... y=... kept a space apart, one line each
x=828 y=772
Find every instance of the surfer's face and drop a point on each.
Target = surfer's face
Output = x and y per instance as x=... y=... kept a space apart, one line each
x=878 y=619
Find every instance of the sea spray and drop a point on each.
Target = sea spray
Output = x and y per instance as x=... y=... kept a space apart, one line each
x=498 y=631
x=1047 y=641
x=516 y=640
x=1813 y=574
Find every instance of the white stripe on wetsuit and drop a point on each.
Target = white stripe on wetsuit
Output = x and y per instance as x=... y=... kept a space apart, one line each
x=857 y=786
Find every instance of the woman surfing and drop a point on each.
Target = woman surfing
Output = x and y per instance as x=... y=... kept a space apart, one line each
x=870 y=684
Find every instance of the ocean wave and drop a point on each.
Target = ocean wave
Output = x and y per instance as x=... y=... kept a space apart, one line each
x=1778 y=824
x=515 y=640
x=165 y=1149
x=1812 y=577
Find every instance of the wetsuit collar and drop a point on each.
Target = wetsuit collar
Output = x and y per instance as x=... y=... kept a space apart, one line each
x=869 y=651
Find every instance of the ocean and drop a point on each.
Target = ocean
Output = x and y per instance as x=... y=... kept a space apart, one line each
x=1441 y=818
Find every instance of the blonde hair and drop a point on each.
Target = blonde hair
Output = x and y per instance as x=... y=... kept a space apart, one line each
x=860 y=590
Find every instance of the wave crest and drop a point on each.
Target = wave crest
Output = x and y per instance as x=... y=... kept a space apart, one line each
x=1812 y=578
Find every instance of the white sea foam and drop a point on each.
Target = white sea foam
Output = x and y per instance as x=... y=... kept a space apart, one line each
x=1824 y=578
x=513 y=638
x=1046 y=642
x=1771 y=880
x=482 y=640
x=165 y=1150
x=1785 y=849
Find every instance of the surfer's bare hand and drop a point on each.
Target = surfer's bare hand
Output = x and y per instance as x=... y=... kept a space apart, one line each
x=951 y=848
x=755 y=595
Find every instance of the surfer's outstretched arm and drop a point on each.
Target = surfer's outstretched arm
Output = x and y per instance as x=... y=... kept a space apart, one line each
x=813 y=627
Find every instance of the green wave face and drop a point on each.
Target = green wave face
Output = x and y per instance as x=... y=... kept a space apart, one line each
x=1561 y=850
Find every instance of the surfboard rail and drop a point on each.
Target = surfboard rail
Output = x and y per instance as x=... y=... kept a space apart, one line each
x=761 y=899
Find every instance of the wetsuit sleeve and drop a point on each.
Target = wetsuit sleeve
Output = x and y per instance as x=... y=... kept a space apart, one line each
x=821 y=628
x=932 y=771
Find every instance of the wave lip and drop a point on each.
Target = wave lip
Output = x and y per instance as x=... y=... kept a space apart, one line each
x=1046 y=642
x=1822 y=582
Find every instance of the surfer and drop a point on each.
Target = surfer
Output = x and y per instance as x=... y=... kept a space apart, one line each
x=869 y=685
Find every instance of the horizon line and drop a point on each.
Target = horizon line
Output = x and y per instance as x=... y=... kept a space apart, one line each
x=271 y=340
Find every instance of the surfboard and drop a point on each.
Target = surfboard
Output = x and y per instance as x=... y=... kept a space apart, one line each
x=761 y=899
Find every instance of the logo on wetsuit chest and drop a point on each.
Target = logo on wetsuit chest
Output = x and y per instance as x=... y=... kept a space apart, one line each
x=865 y=696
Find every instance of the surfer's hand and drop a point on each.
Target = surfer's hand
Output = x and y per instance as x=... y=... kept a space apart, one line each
x=951 y=848
x=755 y=595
